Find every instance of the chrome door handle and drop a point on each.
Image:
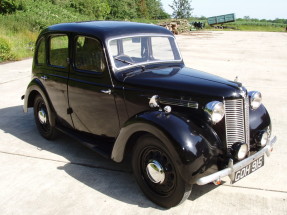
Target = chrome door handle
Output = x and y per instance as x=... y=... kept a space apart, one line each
x=106 y=91
x=44 y=77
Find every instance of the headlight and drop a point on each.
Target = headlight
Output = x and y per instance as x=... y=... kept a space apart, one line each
x=215 y=110
x=262 y=138
x=239 y=150
x=255 y=99
x=242 y=151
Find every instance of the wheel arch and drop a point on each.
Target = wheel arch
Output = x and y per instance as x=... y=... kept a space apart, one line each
x=35 y=88
x=192 y=146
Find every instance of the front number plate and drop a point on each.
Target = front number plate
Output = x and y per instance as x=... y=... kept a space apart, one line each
x=250 y=168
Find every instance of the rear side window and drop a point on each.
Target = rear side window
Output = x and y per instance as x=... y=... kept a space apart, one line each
x=59 y=50
x=40 y=56
x=89 y=55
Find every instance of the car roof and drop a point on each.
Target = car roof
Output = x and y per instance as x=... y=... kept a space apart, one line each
x=108 y=29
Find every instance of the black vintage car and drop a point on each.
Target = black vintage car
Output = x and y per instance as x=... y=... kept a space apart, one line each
x=122 y=89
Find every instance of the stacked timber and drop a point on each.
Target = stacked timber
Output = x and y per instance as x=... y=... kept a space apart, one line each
x=176 y=26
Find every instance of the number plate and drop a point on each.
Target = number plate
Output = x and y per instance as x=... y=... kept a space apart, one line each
x=250 y=168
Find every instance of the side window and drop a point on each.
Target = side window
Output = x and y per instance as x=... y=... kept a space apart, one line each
x=89 y=55
x=40 y=56
x=59 y=50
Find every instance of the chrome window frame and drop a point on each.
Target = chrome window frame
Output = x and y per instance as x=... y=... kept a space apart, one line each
x=116 y=69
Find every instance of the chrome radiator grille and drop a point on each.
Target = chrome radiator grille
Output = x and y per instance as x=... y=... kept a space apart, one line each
x=237 y=121
x=246 y=113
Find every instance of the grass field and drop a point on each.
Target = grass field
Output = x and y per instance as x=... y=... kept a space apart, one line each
x=19 y=31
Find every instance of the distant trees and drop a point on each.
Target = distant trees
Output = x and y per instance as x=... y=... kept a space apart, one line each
x=124 y=9
x=99 y=9
x=9 y=6
x=181 y=9
x=130 y=9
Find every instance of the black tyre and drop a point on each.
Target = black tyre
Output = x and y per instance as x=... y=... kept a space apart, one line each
x=41 y=115
x=156 y=173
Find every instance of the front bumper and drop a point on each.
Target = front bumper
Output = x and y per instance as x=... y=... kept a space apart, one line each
x=231 y=169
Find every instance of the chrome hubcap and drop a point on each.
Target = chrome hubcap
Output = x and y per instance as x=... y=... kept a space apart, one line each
x=155 y=172
x=42 y=116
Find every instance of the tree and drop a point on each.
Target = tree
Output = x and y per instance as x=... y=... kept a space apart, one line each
x=124 y=9
x=97 y=8
x=181 y=9
x=142 y=9
x=155 y=11
x=8 y=6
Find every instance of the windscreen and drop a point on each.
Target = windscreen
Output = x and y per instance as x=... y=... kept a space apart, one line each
x=129 y=51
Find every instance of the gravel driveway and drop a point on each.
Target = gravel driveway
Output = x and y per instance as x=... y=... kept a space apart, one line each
x=63 y=177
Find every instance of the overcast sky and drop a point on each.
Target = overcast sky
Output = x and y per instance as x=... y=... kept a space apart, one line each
x=261 y=9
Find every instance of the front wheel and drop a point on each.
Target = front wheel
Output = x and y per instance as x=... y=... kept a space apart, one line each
x=156 y=173
x=41 y=115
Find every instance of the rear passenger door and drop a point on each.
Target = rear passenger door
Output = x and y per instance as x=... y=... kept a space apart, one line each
x=52 y=68
x=90 y=89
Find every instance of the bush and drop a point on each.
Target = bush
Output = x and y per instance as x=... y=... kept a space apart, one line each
x=5 y=50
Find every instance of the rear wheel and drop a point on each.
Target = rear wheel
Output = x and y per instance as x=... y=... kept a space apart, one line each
x=156 y=173
x=41 y=115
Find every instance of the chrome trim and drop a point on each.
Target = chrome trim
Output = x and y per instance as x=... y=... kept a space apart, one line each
x=155 y=172
x=153 y=101
x=231 y=169
x=116 y=69
x=42 y=115
x=109 y=91
x=210 y=109
x=167 y=109
x=246 y=119
x=251 y=94
x=234 y=122
x=179 y=102
x=44 y=77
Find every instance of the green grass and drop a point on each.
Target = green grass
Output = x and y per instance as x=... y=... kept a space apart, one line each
x=252 y=26
x=261 y=28
x=20 y=29
x=258 y=26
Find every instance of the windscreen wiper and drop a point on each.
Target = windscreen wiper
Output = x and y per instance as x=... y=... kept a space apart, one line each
x=134 y=72
x=124 y=61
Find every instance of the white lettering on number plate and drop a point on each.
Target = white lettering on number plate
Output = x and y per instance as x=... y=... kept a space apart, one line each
x=253 y=166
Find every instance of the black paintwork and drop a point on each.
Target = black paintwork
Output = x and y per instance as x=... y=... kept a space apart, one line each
x=105 y=30
x=109 y=123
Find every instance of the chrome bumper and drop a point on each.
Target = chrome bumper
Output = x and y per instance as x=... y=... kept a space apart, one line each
x=231 y=169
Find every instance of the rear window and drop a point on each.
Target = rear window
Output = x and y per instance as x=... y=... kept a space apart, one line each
x=59 y=50
x=40 y=55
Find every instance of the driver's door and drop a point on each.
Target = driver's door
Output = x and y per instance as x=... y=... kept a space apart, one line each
x=90 y=90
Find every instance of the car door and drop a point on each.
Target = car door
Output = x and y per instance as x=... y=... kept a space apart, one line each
x=54 y=71
x=90 y=90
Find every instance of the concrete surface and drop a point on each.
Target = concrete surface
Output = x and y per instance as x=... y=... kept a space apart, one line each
x=63 y=177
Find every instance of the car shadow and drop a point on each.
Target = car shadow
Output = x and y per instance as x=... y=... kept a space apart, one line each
x=83 y=164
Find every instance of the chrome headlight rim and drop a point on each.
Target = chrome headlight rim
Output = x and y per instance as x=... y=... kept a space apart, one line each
x=255 y=98
x=215 y=111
